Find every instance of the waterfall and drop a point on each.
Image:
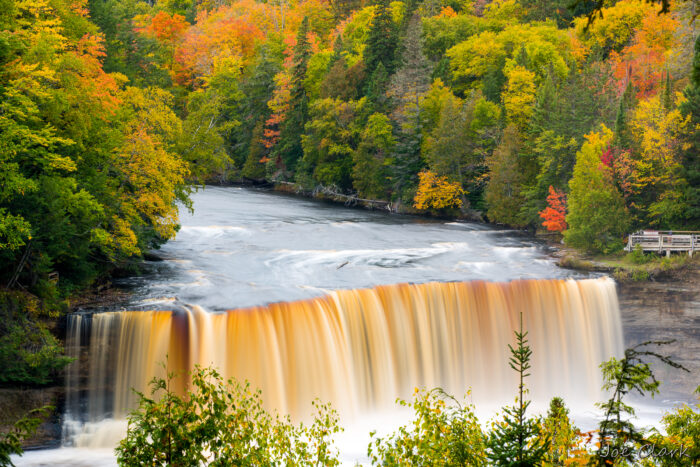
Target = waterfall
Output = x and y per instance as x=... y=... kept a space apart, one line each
x=359 y=349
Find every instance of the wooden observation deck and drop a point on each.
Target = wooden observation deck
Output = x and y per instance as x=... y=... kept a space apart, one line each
x=665 y=241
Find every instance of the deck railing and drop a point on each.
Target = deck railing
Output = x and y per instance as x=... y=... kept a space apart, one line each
x=665 y=241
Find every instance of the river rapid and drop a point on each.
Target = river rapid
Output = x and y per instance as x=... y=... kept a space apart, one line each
x=243 y=247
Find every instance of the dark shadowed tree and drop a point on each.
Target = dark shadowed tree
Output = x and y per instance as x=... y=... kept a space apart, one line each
x=289 y=146
x=380 y=48
x=691 y=152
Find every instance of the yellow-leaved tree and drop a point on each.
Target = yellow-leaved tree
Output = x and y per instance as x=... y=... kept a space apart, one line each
x=437 y=193
x=149 y=177
x=652 y=176
x=519 y=96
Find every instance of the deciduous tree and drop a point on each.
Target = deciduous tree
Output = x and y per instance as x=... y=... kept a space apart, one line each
x=554 y=214
x=435 y=192
x=597 y=216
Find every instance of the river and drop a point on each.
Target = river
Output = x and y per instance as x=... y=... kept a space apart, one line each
x=248 y=248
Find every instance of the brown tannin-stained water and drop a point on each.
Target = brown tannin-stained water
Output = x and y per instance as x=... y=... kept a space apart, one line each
x=309 y=300
x=361 y=349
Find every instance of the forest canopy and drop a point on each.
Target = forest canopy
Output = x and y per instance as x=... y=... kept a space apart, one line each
x=518 y=112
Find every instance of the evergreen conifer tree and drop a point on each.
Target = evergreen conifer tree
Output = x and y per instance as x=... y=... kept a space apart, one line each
x=623 y=137
x=691 y=152
x=290 y=136
x=668 y=93
x=376 y=89
x=632 y=373
x=381 y=46
x=518 y=441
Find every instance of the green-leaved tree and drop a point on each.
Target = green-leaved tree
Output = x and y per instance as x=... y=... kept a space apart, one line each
x=221 y=423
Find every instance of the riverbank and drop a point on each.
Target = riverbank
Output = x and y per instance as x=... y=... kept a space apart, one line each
x=393 y=207
x=626 y=268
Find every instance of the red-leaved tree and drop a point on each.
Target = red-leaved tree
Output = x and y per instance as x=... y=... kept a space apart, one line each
x=554 y=214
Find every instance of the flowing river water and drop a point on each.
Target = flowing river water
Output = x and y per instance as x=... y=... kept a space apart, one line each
x=307 y=300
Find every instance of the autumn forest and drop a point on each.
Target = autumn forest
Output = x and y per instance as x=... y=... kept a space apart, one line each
x=532 y=114
x=577 y=119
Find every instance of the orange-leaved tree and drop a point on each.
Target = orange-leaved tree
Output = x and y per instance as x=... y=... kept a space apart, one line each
x=554 y=214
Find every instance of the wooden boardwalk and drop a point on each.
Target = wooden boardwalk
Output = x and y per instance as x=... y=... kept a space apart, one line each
x=665 y=241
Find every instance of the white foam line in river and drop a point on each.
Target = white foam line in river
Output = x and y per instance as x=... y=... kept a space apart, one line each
x=383 y=258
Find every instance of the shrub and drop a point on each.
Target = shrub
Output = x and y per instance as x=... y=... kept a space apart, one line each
x=637 y=256
x=221 y=423
x=682 y=428
x=29 y=353
x=640 y=275
x=11 y=442
x=444 y=432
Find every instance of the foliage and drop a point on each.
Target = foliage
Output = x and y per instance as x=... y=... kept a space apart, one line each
x=296 y=116
x=643 y=63
x=381 y=41
x=444 y=432
x=29 y=353
x=90 y=174
x=597 y=215
x=343 y=82
x=637 y=256
x=518 y=440
x=111 y=110
x=690 y=148
x=682 y=427
x=615 y=26
x=475 y=58
x=537 y=67
x=11 y=442
x=442 y=32
x=617 y=434
x=456 y=147
x=596 y=9
x=519 y=95
x=562 y=433
x=371 y=160
x=651 y=178
x=503 y=193
x=221 y=423
x=329 y=143
x=554 y=214
x=436 y=192
x=254 y=167
x=211 y=118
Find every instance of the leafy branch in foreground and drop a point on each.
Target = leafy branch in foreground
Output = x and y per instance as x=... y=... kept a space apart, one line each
x=682 y=438
x=221 y=423
x=617 y=434
x=444 y=432
x=11 y=442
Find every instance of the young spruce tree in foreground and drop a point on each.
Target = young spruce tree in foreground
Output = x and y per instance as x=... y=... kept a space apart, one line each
x=518 y=441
